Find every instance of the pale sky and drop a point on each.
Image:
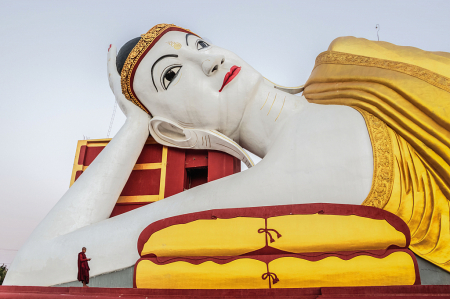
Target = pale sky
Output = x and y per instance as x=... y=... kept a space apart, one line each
x=54 y=87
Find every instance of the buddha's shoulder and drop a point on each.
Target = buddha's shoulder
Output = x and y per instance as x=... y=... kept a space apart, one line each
x=328 y=133
x=318 y=117
x=325 y=146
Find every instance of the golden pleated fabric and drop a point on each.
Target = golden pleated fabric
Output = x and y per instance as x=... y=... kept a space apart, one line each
x=404 y=95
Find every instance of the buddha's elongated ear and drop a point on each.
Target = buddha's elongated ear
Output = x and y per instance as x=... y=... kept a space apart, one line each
x=169 y=133
x=291 y=90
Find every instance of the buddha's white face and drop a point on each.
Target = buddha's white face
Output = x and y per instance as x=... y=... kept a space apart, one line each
x=182 y=79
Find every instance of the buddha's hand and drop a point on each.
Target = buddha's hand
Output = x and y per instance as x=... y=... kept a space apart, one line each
x=128 y=108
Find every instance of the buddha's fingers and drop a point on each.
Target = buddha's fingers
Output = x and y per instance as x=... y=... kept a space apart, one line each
x=113 y=75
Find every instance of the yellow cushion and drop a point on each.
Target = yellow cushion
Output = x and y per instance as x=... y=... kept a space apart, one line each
x=396 y=268
x=325 y=233
x=299 y=233
x=218 y=237
x=238 y=274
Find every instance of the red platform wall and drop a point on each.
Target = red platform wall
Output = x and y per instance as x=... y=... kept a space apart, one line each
x=184 y=169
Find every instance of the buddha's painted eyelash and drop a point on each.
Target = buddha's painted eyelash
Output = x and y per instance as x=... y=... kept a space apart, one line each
x=201 y=44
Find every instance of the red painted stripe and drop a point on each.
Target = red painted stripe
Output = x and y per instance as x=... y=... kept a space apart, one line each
x=174 y=171
x=82 y=154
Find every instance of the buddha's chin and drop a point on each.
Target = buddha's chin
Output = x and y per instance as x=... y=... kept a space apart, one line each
x=243 y=85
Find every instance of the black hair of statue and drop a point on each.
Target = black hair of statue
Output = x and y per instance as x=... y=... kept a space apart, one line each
x=124 y=52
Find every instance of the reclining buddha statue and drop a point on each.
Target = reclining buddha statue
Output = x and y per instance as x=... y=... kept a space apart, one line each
x=355 y=174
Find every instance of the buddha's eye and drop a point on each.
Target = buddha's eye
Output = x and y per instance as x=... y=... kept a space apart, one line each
x=169 y=74
x=202 y=45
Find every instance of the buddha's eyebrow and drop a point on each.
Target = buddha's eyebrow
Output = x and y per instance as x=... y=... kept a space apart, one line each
x=158 y=60
x=187 y=43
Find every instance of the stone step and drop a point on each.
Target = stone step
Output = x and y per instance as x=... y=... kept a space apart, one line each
x=386 y=292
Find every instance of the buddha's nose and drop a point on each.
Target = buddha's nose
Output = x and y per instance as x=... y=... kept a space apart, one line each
x=212 y=64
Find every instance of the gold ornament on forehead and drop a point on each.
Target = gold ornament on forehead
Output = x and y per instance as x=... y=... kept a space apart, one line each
x=133 y=59
x=175 y=45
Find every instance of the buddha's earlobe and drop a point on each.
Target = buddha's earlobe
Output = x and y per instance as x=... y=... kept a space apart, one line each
x=167 y=132
x=291 y=90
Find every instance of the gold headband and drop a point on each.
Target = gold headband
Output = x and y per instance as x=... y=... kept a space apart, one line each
x=146 y=42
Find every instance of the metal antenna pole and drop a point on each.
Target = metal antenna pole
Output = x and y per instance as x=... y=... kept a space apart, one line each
x=378 y=29
x=112 y=119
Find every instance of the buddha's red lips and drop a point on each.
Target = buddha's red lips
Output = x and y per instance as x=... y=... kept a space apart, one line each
x=234 y=71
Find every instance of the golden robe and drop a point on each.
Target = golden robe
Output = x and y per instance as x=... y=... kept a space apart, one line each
x=403 y=94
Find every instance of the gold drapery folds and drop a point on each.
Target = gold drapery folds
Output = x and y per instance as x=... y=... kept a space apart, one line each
x=409 y=90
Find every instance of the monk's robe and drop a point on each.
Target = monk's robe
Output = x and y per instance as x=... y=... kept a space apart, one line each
x=83 y=268
x=403 y=93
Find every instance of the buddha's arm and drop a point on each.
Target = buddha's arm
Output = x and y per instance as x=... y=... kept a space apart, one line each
x=93 y=196
x=112 y=242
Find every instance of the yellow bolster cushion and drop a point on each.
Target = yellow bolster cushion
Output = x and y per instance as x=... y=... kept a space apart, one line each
x=299 y=234
x=325 y=233
x=394 y=269
x=291 y=272
x=242 y=273
x=219 y=237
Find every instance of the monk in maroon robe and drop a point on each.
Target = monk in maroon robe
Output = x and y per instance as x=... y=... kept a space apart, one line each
x=83 y=267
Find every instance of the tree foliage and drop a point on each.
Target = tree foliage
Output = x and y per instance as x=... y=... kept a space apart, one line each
x=3 y=271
